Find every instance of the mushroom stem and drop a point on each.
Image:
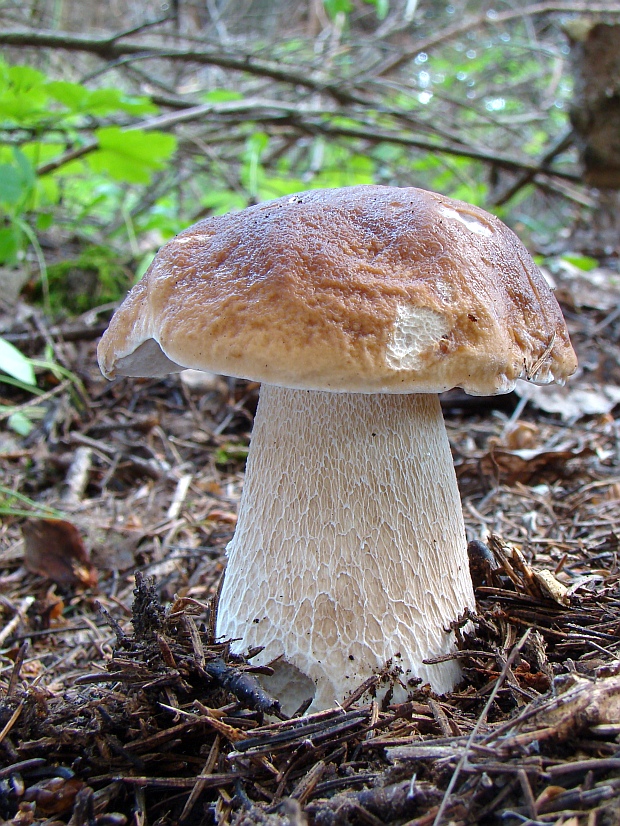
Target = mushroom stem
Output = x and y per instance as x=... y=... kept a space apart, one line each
x=350 y=547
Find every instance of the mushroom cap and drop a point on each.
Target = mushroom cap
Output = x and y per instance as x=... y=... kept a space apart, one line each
x=361 y=289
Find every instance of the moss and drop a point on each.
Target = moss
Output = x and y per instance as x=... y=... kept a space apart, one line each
x=96 y=276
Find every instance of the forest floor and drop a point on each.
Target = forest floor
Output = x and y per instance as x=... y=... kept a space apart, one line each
x=118 y=705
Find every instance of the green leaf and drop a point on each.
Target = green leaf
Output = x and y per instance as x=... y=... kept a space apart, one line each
x=25 y=78
x=71 y=95
x=22 y=95
x=40 y=153
x=44 y=221
x=11 y=184
x=221 y=96
x=19 y=423
x=582 y=262
x=10 y=242
x=15 y=363
x=16 y=179
x=98 y=102
x=47 y=193
x=335 y=7
x=28 y=98
x=130 y=155
x=25 y=168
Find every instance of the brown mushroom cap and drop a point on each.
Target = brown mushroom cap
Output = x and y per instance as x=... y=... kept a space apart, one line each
x=361 y=289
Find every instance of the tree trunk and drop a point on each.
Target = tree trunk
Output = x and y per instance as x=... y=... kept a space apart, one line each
x=595 y=115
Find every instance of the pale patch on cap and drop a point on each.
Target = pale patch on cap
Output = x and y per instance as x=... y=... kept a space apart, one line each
x=416 y=330
x=470 y=221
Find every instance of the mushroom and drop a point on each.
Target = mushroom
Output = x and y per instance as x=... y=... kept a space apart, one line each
x=354 y=308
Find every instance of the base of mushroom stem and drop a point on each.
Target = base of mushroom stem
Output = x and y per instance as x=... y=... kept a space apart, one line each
x=290 y=686
x=293 y=689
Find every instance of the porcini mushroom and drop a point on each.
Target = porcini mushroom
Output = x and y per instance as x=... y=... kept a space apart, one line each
x=354 y=307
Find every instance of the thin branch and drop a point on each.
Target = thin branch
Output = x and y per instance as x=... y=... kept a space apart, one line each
x=479 y=723
x=142 y=26
x=310 y=119
x=167 y=121
x=563 y=142
x=487 y=19
x=378 y=136
x=109 y=48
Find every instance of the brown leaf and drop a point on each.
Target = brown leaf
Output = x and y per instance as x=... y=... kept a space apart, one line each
x=522 y=436
x=539 y=681
x=54 y=795
x=54 y=549
x=552 y=587
x=524 y=465
x=548 y=794
x=580 y=398
x=223 y=516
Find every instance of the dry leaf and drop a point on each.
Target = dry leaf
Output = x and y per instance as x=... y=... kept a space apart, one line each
x=523 y=436
x=54 y=549
x=223 y=516
x=574 y=400
x=537 y=680
x=551 y=587
x=596 y=288
x=54 y=795
x=549 y=794
x=527 y=464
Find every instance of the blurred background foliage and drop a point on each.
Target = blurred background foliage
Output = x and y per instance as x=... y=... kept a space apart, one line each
x=123 y=122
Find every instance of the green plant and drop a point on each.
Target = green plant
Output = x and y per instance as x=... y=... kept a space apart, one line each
x=13 y=503
x=581 y=262
x=62 y=164
x=470 y=110
x=94 y=277
x=17 y=367
x=18 y=370
x=231 y=454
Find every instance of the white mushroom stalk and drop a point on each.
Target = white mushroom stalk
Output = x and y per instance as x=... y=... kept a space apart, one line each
x=350 y=548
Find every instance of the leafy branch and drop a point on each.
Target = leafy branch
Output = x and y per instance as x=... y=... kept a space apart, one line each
x=492 y=19
x=315 y=120
x=113 y=48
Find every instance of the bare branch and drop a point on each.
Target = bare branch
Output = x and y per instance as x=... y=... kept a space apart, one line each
x=487 y=19
x=377 y=136
x=560 y=145
x=109 y=48
x=314 y=120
